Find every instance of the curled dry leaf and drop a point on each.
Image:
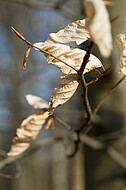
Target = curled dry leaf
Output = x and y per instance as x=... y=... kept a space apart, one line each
x=72 y=56
x=26 y=57
x=37 y=102
x=121 y=43
x=65 y=90
x=73 y=32
x=99 y=25
x=49 y=123
x=27 y=132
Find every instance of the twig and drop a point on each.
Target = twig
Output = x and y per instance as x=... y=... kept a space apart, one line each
x=43 y=5
x=83 y=82
x=10 y=176
x=106 y=96
x=116 y=156
x=74 y=136
x=114 y=18
x=42 y=51
x=91 y=142
x=112 y=136
x=63 y=123
x=85 y=59
x=111 y=151
x=85 y=97
x=100 y=74
x=31 y=150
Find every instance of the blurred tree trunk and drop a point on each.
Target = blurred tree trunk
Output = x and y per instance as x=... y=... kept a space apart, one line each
x=101 y=171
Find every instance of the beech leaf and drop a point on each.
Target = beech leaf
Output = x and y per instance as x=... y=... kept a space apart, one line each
x=27 y=132
x=37 y=102
x=26 y=57
x=72 y=56
x=121 y=43
x=73 y=32
x=65 y=90
x=99 y=26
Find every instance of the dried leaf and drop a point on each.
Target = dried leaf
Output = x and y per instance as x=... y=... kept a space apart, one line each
x=99 y=25
x=121 y=43
x=71 y=56
x=26 y=57
x=49 y=123
x=37 y=102
x=65 y=90
x=123 y=62
x=27 y=132
x=74 y=32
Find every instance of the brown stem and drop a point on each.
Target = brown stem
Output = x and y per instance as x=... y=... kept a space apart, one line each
x=85 y=97
x=106 y=96
x=85 y=59
x=42 y=51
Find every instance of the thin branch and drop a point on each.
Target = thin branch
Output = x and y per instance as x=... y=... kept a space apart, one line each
x=43 y=5
x=42 y=51
x=112 y=136
x=31 y=150
x=117 y=157
x=85 y=98
x=114 y=18
x=111 y=151
x=14 y=176
x=63 y=123
x=107 y=95
x=83 y=82
x=91 y=142
x=85 y=59
x=100 y=74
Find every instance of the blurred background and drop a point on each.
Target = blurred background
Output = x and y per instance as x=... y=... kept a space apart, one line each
x=49 y=168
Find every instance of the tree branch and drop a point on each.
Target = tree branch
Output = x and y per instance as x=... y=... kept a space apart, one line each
x=30 y=151
x=107 y=95
x=42 y=51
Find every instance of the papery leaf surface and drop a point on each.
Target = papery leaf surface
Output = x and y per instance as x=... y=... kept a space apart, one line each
x=121 y=43
x=99 y=26
x=27 y=132
x=73 y=32
x=65 y=90
x=36 y=102
x=65 y=54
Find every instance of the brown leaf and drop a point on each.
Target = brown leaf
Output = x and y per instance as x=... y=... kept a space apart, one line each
x=49 y=123
x=121 y=43
x=71 y=56
x=37 y=102
x=65 y=90
x=27 y=132
x=73 y=32
x=99 y=26
x=26 y=57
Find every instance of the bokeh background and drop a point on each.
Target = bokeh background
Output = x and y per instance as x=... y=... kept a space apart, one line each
x=49 y=168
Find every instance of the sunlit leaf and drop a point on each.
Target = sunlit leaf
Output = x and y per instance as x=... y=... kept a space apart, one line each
x=73 y=32
x=26 y=57
x=65 y=90
x=71 y=56
x=37 y=102
x=121 y=43
x=27 y=132
x=99 y=25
